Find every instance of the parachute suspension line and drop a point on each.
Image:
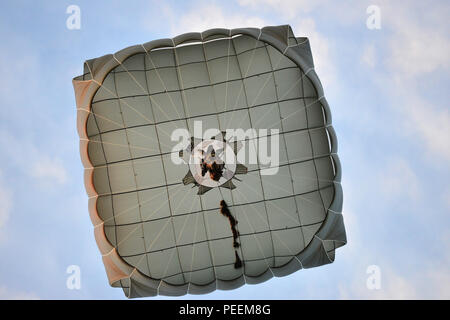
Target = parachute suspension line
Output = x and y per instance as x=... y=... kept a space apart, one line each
x=242 y=89
x=285 y=144
x=161 y=80
x=246 y=74
x=228 y=70
x=225 y=211
x=135 y=182
x=258 y=242
x=267 y=80
x=144 y=91
x=257 y=156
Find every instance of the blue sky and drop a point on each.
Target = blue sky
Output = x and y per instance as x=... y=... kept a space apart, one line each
x=388 y=93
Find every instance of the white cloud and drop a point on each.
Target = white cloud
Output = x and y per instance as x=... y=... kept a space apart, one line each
x=15 y=66
x=209 y=16
x=25 y=113
x=294 y=10
x=430 y=123
x=368 y=57
x=5 y=203
x=423 y=121
x=9 y=294
x=345 y=12
x=423 y=279
x=393 y=286
x=417 y=47
x=446 y=198
x=430 y=281
x=434 y=127
x=398 y=180
x=439 y=280
x=289 y=8
x=47 y=168
x=419 y=43
x=413 y=45
x=38 y=165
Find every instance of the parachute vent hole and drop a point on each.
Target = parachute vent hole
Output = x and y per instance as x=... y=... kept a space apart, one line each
x=215 y=170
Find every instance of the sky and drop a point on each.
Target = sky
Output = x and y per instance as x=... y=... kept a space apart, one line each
x=388 y=91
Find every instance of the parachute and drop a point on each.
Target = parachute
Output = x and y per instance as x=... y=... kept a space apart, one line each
x=253 y=194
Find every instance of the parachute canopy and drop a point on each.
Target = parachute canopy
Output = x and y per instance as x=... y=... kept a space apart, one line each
x=176 y=211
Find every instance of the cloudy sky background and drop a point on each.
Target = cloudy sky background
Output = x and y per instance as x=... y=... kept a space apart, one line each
x=388 y=90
